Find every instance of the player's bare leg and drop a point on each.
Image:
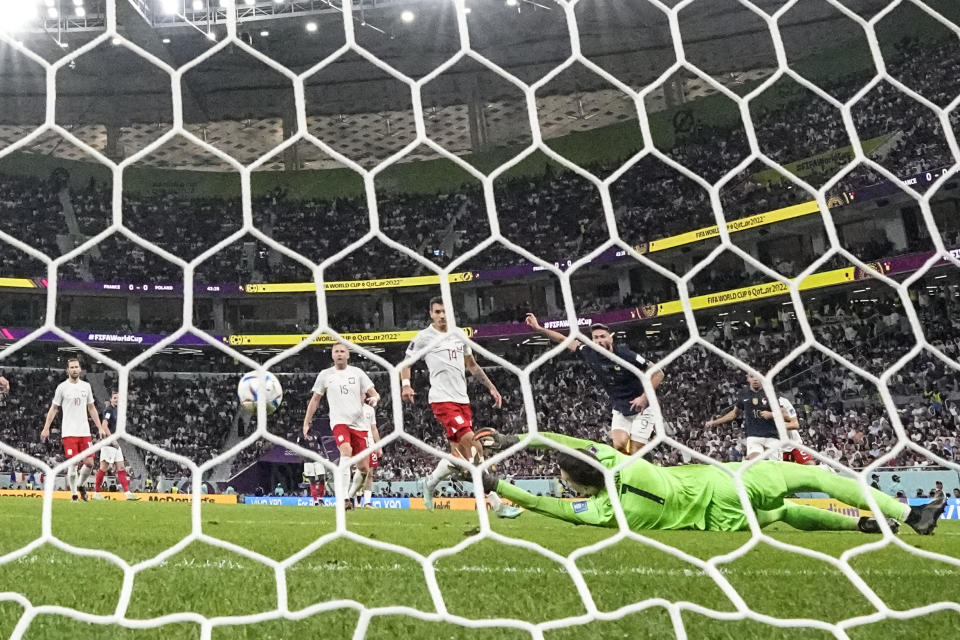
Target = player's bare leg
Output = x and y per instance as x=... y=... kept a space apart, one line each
x=465 y=447
x=620 y=440
x=470 y=448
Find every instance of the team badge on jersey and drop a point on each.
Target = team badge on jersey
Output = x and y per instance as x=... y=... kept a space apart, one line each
x=755 y=401
x=351 y=380
x=579 y=506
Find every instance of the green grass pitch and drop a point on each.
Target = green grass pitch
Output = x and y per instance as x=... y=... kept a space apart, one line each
x=485 y=580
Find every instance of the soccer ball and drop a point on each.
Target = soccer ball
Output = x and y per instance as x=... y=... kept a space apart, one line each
x=249 y=389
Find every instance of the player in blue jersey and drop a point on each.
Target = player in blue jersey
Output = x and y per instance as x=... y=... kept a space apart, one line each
x=758 y=425
x=634 y=421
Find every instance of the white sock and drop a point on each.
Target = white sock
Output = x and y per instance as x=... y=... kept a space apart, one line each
x=358 y=480
x=72 y=479
x=84 y=475
x=495 y=502
x=444 y=470
x=367 y=496
x=906 y=513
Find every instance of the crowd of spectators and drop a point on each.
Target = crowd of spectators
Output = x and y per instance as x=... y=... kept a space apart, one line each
x=556 y=216
x=842 y=414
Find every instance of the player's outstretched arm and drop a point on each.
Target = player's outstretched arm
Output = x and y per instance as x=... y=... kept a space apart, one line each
x=604 y=453
x=477 y=372
x=577 y=512
x=727 y=417
x=556 y=336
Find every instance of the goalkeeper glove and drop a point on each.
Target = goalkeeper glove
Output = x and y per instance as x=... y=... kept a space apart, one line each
x=490 y=482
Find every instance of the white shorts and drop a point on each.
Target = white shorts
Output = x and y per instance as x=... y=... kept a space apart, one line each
x=314 y=469
x=762 y=445
x=110 y=455
x=640 y=426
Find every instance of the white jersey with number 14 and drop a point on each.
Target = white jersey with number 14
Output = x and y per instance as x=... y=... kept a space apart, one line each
x=448 y=378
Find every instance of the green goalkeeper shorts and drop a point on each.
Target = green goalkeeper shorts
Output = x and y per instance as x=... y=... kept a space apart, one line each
x=765 y=490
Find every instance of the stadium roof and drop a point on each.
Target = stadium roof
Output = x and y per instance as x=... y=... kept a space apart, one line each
x=239 y=104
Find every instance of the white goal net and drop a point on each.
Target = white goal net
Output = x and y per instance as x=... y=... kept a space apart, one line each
x=720 y=142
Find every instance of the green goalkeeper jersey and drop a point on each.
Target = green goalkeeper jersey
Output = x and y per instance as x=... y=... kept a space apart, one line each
x=652 y=497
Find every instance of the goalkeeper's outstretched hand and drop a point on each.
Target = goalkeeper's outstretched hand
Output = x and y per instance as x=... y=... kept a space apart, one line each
x=493 y=440
x=490 y=482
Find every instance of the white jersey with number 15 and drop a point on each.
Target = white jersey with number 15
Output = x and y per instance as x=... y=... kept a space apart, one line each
x=345 y=389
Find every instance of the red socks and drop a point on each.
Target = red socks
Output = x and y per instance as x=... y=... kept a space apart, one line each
x=122 y=477
x=316 y=490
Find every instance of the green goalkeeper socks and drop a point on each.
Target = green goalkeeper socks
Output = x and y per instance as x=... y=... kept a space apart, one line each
x=807 y=518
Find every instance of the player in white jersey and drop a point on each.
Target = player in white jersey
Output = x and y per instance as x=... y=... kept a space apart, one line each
x=792 y=422
x=373 y=437
x=447 y=361
x=75 y=398
x=347 y=389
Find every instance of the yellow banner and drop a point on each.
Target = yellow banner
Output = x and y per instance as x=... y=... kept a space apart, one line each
x=146 y=497
x=829 y=161
x=288 y=340
x=758 y=292
x=829 y=504
x=351 y=285
x=17 y=283
x=743 y=224
x=446 y=504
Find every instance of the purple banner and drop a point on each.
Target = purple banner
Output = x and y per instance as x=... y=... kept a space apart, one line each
x=216 y=289
x=887 y=188
x=109 y=337
x=618 y=316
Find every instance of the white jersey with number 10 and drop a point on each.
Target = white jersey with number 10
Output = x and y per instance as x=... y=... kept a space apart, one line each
x=448 y=379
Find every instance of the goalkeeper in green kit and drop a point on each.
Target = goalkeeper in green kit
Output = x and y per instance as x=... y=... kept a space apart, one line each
x=701 y=497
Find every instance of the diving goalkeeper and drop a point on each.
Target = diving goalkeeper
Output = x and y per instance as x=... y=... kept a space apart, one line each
x=701 y=497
